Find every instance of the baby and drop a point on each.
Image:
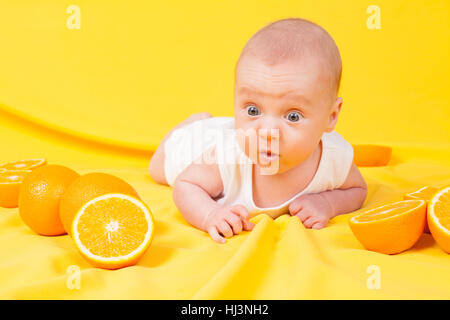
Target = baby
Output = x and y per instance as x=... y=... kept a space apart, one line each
x=280 y=153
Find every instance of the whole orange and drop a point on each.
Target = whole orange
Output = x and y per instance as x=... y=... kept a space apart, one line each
x=39 y=197
x=88 y=187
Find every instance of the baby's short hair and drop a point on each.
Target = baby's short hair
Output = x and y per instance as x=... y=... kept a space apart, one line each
x=291 y=39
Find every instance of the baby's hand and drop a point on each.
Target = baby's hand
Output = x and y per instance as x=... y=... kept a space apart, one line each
x=227 y=221
x=313 y=209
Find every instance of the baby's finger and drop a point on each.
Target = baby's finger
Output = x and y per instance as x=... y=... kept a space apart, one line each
x=215 y=235
x=303 y=215
x=241 y=211
x=308 y=223
x=235 y=222
x=225 y=229
x=248 y=225
x=318 y=225
x=295 y=206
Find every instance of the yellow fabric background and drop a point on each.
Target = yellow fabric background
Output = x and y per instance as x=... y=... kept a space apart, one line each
x=102 y=97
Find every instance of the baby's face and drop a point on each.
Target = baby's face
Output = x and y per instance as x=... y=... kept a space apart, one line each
x=293 y=98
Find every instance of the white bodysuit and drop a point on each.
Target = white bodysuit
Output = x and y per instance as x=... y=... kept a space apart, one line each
x=188 y=143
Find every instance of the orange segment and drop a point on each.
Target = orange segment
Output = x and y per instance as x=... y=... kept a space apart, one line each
x=10 y=182
x=113 y=230
x=28 y=164
x=390 y=228
x=424 y=193
x=439 y=218
x=370 y=155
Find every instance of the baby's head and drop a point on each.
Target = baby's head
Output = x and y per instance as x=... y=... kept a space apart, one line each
x=287 y=78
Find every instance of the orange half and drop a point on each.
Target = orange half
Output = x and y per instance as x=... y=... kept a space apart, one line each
x=113 y=230
x=424 y=193
x=10 y=182
x=371 y=155
x=439 y=218
x=390 y=228
x=28 y=164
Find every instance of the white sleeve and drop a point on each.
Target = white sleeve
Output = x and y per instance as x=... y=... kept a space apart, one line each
x=340 y=159
x=177 y=154
x=186 y=144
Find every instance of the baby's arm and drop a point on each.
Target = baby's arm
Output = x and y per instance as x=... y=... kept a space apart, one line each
x=193 y=193
x=316 y=209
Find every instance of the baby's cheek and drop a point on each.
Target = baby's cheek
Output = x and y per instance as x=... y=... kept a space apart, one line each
x=297 y=149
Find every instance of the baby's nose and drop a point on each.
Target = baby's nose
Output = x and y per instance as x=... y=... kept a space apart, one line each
x=269 y=134
x=268 y=129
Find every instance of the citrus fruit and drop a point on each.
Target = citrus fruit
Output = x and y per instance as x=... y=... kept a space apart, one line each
x=40 y=195
x=424 y=193
x=439 y=218
x=87 y=187
x=113 y=230
x=370 y=155
x=390 y=228
x=28 y=164
x=10 y=182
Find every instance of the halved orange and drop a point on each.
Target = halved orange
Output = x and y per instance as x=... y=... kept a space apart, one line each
x=390 y=228
x=87 y=187
x=424 y=193
x=439 y=218
x=371 y=155
x=28 y=164
x=10 y=182
x=113 y=230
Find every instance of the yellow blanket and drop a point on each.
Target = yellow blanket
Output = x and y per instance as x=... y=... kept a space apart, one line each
x=101 y=97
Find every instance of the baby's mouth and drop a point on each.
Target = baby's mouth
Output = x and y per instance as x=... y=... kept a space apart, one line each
x=268 y=156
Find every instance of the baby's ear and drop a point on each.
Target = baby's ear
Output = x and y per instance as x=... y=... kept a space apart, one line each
x=334 y=114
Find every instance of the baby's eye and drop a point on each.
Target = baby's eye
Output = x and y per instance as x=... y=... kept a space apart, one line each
x=252 y=110
x=294 y=116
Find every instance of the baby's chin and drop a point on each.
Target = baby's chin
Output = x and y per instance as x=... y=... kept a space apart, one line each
x=268 y=164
